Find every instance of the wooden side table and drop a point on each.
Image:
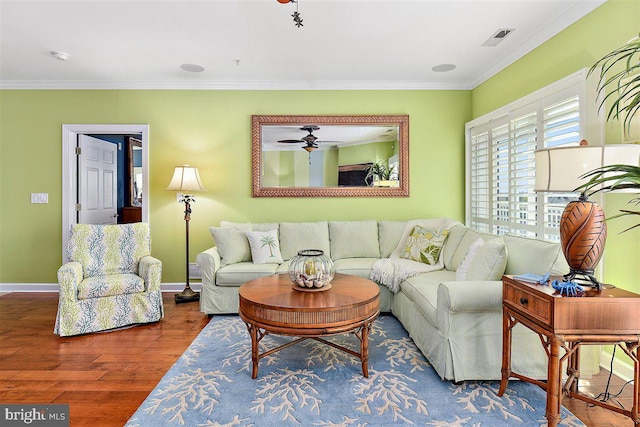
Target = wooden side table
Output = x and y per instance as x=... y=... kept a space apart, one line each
x=610 y=316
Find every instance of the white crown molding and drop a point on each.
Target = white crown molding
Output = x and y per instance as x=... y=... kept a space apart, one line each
x=230 y=85
x=53 y=287
x=576 y=13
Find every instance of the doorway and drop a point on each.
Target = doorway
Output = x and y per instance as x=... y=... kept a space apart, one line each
x=70 y=136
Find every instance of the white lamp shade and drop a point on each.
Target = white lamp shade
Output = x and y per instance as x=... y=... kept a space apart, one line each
x=559 y=169
x=186 y=178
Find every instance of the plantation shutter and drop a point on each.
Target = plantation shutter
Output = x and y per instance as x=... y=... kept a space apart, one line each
x=501 y=163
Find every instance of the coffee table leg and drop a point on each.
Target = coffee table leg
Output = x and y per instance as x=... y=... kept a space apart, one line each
x=253 y=331
x=364 y=349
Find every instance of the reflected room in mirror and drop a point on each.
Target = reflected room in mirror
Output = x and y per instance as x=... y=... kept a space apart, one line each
x=330 y=156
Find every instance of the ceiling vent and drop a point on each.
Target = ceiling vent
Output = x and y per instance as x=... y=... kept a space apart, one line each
x=498 y=37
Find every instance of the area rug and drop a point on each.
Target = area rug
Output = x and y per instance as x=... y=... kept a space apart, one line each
x=313 y=384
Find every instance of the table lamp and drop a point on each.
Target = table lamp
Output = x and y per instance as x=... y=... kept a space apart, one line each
x=186 y=180
x=583 y=230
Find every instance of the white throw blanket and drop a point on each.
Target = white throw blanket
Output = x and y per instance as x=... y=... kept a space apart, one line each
x=393 y=270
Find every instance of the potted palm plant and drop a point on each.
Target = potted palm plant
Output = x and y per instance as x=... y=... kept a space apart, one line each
x=618 y=84
x=379 y=174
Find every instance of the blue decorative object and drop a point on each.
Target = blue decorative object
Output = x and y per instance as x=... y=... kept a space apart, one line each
x=533 y=278
x=570 y=288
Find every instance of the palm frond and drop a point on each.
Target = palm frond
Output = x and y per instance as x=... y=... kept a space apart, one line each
x=622 y=87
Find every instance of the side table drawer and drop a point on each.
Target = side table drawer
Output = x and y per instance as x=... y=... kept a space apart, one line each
x=528 y=304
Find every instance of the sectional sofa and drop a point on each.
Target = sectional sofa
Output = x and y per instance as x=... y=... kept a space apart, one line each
x=453 y=313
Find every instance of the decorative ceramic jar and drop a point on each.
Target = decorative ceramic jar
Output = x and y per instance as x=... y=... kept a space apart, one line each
x=311 y=269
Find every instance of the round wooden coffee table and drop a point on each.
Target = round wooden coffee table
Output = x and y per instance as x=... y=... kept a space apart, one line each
x=270 y=305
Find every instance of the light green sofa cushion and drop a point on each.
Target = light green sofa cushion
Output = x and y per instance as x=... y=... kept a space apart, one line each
x=360 y=267
x=529 y=255
x=389 y=233
x=489 y=262
x=241 y=272
x=458 y=243
x=354 y=239
x=297 y=236
x=232 y=244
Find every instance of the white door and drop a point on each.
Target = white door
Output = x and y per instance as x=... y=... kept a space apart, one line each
x=97 y=181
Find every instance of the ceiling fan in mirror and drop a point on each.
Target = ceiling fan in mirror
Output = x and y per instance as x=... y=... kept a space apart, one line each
x=310 y=140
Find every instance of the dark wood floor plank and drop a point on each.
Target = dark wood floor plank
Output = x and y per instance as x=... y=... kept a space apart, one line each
x=104 y=377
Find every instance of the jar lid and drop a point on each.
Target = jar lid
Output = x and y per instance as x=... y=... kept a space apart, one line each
x=311 y=252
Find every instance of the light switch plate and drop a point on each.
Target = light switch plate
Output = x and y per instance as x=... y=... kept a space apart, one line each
x=39 y=197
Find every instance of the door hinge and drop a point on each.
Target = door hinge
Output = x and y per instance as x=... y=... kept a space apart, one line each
x=78 y=151
x=78 y=207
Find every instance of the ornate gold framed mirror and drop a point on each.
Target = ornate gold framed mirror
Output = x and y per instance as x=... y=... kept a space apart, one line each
x=330 y=156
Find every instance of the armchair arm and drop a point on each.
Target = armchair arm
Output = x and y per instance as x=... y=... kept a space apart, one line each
x=69 y=276
x=150 y=269
x=209 y=262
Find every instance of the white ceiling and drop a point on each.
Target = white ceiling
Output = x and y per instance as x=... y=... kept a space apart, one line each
x=344 y=44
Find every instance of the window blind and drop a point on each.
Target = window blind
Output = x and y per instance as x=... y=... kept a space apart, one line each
x=501 y=163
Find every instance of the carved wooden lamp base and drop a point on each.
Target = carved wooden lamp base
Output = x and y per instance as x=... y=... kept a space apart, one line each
x=583 y=233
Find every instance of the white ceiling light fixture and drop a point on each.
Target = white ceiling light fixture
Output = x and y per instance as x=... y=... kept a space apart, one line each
x=443 y=68
x=192 y=68
x=498 y=37
x=59 y=55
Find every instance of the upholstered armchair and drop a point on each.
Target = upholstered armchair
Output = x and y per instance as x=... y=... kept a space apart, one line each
x=110 y=280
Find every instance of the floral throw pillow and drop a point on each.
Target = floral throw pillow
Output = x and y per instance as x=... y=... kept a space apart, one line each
x=265 y=247
x=424 y=245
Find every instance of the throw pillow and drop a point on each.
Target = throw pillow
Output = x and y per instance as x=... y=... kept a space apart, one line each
x=424 y=245
x=232 y=244
x=265 y=248
x=461 y=272
x=490 y=261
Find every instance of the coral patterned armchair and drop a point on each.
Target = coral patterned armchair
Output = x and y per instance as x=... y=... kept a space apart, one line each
x=110 y=280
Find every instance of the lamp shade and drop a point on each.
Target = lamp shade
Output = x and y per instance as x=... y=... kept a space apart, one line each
x=186 y=178
x=559 y=169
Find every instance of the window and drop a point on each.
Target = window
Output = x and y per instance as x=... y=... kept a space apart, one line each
x=501 y=166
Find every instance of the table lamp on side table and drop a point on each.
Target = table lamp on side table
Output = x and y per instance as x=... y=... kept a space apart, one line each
x=186 y=180
x=583 y=230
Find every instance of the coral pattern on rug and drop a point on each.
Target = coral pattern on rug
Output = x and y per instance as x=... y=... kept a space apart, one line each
x=312 y=384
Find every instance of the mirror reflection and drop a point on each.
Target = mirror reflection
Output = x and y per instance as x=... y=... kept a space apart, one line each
x=330 y=155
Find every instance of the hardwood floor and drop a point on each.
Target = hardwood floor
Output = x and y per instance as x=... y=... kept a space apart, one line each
x=104 y=377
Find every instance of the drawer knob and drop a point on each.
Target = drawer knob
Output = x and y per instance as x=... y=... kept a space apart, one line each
x=524 y=301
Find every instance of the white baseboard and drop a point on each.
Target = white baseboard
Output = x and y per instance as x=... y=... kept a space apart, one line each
x=620 y=368
x=53 y=287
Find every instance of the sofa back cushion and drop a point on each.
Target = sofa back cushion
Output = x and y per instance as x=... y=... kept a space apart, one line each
x=389 y=234
x=458 y=243
x=296 y=236
x=527 y=255
x=354 y=239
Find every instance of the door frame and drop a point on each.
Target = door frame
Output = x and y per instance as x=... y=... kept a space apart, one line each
x=70 y=134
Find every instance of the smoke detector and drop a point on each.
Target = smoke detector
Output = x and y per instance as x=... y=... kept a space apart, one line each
x=498 y=37
x=62 y=56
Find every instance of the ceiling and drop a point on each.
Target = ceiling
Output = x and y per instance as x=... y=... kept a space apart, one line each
x=254 y=44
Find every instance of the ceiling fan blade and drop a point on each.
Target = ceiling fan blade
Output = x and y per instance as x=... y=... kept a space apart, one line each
x=291 y=141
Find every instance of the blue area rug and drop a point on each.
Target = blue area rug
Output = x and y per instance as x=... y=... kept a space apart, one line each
x=312 y=384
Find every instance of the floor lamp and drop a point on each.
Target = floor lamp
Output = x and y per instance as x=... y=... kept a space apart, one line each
x=186 y=180
x=583 y=230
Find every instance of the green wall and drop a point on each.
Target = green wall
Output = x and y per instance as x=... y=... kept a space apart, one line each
x=210 y=130
x=577 y=47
